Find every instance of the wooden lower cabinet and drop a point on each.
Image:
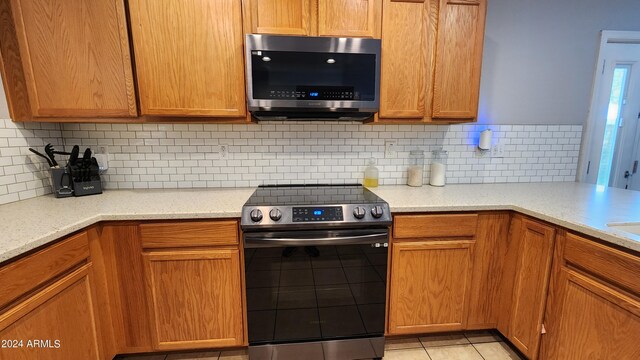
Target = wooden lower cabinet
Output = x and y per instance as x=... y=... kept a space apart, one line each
x=594 y=321
x=57 y=322
x=430 y=283
x=195 y=298
x=489 y=253
x=593 y=311
x=525 y=296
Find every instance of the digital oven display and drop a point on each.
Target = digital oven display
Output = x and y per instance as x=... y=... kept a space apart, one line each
x=314 y=214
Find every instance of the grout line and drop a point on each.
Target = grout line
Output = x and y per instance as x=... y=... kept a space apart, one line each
x=479 y=353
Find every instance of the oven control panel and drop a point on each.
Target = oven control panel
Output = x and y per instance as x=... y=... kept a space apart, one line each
x=317 y=213
x=314 y=217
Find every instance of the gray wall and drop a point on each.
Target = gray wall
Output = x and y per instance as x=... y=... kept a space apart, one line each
x=4 y=108
x=539 y=57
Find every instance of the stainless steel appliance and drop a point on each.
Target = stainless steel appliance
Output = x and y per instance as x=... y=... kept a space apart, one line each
x=296 y=77
x=316 y=272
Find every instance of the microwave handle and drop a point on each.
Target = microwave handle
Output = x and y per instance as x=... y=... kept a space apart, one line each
x=256 y=241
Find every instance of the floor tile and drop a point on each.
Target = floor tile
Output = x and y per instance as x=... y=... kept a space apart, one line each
x=234 y=355
x=209 y=355
x=443 y=340
x=496 y=351
x=406 y=354
x=454 y=352
x=482 y=336
x=402 y=343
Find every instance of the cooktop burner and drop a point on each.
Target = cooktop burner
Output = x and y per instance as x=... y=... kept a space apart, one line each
x=317 y=194
x=313 y=206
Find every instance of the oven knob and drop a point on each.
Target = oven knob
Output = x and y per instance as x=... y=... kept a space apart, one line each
x=275 y=214
x=256 y=215
x=377 y=211
x=359 y=212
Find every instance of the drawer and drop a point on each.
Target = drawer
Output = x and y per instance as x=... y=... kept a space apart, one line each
x=606 y=263
x=189 y=234
x=430 y=226
x=21 y=276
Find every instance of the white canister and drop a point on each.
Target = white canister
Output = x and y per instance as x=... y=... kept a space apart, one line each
x=438 y=168
x=415 y=172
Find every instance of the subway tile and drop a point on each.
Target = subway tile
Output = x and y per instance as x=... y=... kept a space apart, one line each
x=295 y=151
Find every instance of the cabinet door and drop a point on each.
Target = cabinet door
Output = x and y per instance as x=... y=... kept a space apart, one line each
x=530 y=284
x=405 y=80
x=593 y=321
x=59 y=318
x=458 y=58
x=350 y=18
x=490 y=250
x=281 y=17
x=194 y=298
x=189 y=57
x=75 y=57
x=429 y=286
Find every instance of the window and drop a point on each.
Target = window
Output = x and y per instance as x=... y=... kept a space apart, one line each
x=616 y=100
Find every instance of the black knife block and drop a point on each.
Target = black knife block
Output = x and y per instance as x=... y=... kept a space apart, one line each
x=85 y=177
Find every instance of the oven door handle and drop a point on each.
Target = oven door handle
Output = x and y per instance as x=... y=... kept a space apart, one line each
x=257 y=241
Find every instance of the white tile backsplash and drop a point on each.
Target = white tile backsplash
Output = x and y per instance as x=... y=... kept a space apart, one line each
x=24 y=175
x=187 y=155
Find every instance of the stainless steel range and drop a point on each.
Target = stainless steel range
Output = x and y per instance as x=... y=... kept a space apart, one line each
x=316 y=272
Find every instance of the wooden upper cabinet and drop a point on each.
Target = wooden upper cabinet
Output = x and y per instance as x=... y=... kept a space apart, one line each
x=281 y=17
x=75 y=58
x=340 y=18
x=350 y=18
x=195 y=298
x=458 y=58
x=532 y=269
x=408 y=34
x=189 y=57
x=430 y=283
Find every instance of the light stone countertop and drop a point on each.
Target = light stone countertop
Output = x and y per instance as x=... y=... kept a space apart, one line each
x=576 y=206
x=31 y=223
x=35 y=222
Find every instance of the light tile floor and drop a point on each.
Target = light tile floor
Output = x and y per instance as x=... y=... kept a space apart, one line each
x=479 y=345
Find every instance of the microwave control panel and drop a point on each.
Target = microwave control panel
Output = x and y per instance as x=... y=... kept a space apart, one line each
x=314 y=93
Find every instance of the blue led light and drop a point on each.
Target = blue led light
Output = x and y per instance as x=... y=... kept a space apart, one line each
x=313 y=94
x=317 y=212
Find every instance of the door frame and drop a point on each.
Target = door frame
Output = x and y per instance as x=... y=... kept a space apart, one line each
x=606 y=37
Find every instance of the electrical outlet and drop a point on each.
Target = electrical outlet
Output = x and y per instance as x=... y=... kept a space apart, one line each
x=224 y=152
x=497 y=151
x=390 y=149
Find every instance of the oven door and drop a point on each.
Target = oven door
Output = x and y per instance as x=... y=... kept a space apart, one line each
x=315 y=285
x=285 y=73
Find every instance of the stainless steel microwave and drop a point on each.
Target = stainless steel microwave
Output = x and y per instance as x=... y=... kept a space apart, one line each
x=295 y=77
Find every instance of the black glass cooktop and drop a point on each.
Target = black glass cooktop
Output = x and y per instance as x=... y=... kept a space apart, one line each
x=317 y=194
